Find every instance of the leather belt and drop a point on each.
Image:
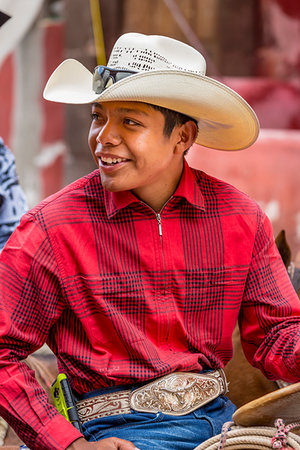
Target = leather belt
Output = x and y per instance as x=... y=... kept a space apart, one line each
x=175 y=394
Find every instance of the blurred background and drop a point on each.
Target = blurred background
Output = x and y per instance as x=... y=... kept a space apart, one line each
x=252 y=46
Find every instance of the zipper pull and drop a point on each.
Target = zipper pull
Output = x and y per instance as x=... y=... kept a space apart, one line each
x=159 y=224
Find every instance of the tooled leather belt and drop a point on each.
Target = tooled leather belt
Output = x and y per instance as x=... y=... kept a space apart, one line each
x=175 y=394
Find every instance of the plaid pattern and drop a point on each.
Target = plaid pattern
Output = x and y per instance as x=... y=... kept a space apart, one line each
x=12 y=200
x=88 y=272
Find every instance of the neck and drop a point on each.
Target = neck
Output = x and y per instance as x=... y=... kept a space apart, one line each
x=157 y=195
x=156 y=206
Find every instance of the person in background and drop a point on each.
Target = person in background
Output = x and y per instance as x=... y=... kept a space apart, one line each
x=12 y=198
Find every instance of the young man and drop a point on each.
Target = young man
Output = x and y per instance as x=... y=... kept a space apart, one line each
x=136 y=274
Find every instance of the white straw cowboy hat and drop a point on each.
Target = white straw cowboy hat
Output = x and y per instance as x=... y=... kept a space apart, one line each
x=164 y=72
x=16 y=17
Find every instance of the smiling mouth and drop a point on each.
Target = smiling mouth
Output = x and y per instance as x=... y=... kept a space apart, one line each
x=107 y=161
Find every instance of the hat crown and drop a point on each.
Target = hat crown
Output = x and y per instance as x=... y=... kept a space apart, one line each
x=143 y=53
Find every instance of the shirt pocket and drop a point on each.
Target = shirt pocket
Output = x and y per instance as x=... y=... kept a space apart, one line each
x=216 y=287
x=213 y=301
x=117 y=309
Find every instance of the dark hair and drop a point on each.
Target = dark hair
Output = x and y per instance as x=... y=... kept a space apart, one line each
x=172 y=119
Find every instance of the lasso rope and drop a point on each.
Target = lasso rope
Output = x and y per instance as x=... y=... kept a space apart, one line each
x=234 y=437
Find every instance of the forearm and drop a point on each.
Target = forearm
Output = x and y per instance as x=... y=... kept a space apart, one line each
x=278 y=356
x=270 y=312
x=24 y=405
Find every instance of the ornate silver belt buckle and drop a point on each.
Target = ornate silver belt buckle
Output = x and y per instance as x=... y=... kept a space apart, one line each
x=178 y=393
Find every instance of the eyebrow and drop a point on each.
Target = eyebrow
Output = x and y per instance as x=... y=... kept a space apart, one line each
x=124 y=110
x=132 y=110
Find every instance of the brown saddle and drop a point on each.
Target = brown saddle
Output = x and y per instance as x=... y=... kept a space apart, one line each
x=283 y=403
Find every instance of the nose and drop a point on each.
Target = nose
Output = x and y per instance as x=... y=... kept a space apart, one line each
x=108 y=134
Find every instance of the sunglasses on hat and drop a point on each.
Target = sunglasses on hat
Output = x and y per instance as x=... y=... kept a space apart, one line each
x=4 y=18
x=105 y=76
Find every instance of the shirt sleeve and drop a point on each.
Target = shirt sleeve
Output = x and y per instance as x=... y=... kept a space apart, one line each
x=12 y=199
x=31 y=302
x=270 y=313
x=295 y=279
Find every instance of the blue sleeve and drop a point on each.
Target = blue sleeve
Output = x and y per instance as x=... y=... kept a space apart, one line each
x=12 y=199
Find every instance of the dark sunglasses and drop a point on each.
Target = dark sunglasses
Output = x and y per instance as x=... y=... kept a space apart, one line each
x=3 y=18
x=105 y=77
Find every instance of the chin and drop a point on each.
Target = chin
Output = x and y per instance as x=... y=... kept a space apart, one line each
x=113 y=186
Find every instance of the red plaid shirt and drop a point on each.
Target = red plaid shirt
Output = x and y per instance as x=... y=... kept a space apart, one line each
x=123 y=295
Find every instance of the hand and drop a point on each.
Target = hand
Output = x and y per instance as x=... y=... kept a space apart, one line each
x=105 y=444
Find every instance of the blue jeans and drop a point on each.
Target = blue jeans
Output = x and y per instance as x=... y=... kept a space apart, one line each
x=162 y=431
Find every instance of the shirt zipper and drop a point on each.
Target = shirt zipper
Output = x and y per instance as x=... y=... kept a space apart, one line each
x=158 y=217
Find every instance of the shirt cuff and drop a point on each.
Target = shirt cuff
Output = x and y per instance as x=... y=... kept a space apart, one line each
x=58 y=434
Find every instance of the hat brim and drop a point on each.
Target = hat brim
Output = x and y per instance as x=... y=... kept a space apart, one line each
x=226 y=121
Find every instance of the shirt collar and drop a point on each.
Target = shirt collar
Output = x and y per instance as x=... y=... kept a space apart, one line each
x=188 y=188
x=115 y=201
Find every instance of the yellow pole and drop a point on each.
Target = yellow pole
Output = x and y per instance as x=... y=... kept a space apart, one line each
x=98 y=32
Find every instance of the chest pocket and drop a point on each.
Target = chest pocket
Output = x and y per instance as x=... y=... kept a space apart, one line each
x=117 y=311
x=216 y=287
x=112 y=292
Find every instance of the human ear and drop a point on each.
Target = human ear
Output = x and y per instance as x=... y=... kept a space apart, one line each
x=187 y=134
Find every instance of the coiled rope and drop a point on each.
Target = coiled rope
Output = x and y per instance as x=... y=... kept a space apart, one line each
x=235 y=437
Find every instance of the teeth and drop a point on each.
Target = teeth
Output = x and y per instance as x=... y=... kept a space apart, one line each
x=109 y=160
